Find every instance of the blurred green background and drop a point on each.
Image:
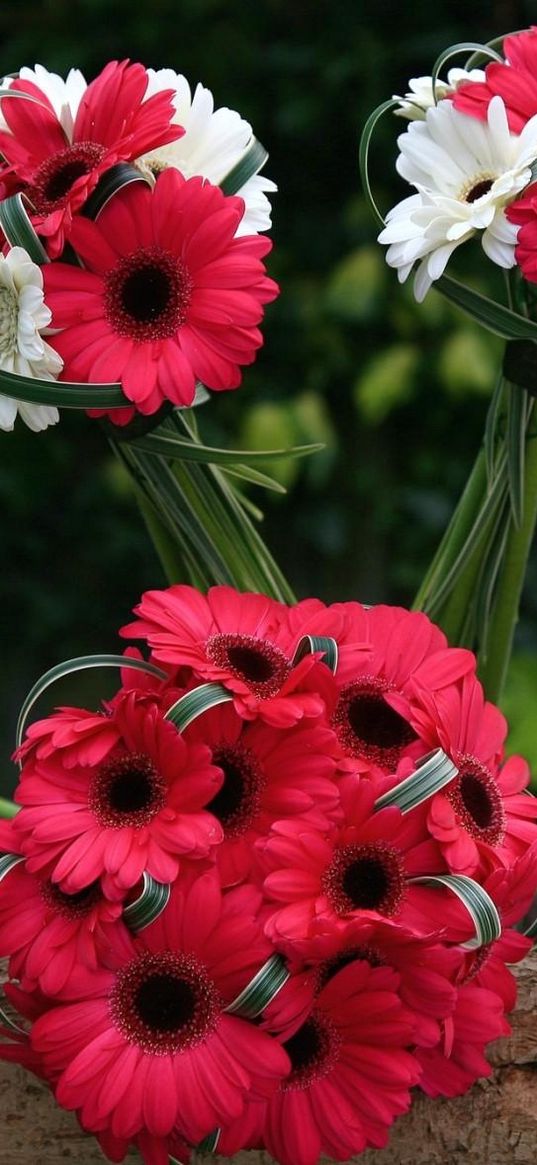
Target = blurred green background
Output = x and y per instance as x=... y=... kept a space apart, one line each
x=397 y=392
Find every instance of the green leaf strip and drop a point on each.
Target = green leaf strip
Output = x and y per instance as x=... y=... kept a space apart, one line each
x=152 y=900
x=498 y=319
x=7 y=809
x=195 y=703
x=478 y=903
x=465 y=46
x=261 y=990
x=64 y=394
x=210 y=1143
x=363 y=153
x=8 y=863
x=18 y=228
x=182 y=449
x=112 y=181
x=251 y=163
x=6 y=1017
x=434 y=772
x=80 y=663
x=516 y=445
x=23 y=96
x=313 y=643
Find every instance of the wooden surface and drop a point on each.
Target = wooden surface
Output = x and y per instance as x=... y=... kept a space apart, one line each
x=494 y=1124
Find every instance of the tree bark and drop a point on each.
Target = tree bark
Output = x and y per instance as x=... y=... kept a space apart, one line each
x=494 y=1124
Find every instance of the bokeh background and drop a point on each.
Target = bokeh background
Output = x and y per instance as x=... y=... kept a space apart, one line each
x=398 y=393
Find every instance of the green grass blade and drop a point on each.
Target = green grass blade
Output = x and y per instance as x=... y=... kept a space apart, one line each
x=323 y=643
x=516 y=446
x=478 y=903
x=149 y=904
x=493 y=316
x=64 y=394
x=456 y=50
x=491 y=426
x=182 y=449
x=195 y=703
x=363 y=152
x=261 y=990
x=434 y=771
x=18 y=228
x=251 y=163
x=113 y=180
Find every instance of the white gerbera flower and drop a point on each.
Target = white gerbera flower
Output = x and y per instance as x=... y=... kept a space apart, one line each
x=414 y=105
x=64 y=96
x=213 y=142
x=466 y=172
x=23 y=351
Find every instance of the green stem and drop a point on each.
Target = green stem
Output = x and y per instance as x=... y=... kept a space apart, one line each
x=511 y=578
x=7 y=808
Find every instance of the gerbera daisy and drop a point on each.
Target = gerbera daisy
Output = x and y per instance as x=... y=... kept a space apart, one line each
x=423 y=95
x=240 y=640
x=269 y=773
x=466 y=172
x=23 y=351
x=214 y=141
x=458 y=1061
x=350 y=1074
x=149 y=1046
x=514 y=80
x=169 y=294
x=58 y=165
x=141 y=808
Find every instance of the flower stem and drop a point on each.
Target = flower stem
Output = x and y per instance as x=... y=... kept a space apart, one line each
x=7 y=808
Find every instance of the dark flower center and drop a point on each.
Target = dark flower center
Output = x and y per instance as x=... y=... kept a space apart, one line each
x=365 y=877
x=165 y=1002
x=312 y=1050
x=127 y=790
x=54 y=178
x=479 y=189
x=330 y=967
x=259 y=664
x=238 y=801
x=477 y=801
x=72 y=906
x=147 y=295
x=366 y=724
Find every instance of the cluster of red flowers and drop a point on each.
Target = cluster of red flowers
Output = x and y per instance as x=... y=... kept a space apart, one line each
x=515 y=81
x=303 y=961
x=164 y=288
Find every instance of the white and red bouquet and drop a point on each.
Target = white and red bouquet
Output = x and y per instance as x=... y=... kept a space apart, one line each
x=273 y=882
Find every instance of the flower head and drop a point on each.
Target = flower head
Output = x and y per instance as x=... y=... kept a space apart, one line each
x=514 y=80
x=214 y=141
x=466 y=172
x=23 y=351
x=168 y=296
x=424 y=95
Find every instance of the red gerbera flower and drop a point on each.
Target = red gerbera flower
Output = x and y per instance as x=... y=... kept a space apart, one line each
x=240 y=640
x=269 y=773
x=149 y=1047
x=141 y=808
x=169 y=295
x=113 y=123
x=514 y=80
x=454 y=1065
x=350 y=1074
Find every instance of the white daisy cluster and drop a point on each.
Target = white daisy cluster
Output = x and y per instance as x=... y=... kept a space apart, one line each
x=465 y=172
x=23 y=351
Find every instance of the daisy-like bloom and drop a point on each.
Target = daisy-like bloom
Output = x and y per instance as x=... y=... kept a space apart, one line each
x=168 y=296
x=47 y=934
x=484 y=815
x=242 y=641
x=350 y=1074
x=141 y=808
x=384 y=654
x=362 y=869
x=214 y=141
x=466 y=172
x=147 y=1047
x=269 y=773
x=423 y=95
x=63 y=95
x=23 y=351
x=57 y=163
x=514 y=80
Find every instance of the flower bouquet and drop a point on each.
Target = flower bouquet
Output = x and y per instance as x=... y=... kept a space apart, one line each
x=273 y=883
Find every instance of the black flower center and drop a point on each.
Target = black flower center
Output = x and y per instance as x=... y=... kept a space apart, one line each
x=238 y=800
x=330 y=967
x=365 y=877
x=55 y=178
x=479 y=189
x=367 y=726
x=127 y=790
x=312 y=1050
x=259 y=664
x=71 y=906
x=147 y=295
x=477 y=801
x=165 y=1002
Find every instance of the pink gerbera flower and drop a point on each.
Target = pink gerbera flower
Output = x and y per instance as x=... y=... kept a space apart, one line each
x=59 y=169
x=240 y=640
x=514 y=80
x=140 y=809
x=168 y=296
x=350 y=1075
x=47 y=934
x=148 y=1048
x=269 y=773
x=523 y=213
